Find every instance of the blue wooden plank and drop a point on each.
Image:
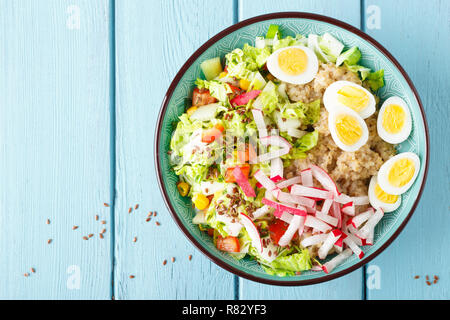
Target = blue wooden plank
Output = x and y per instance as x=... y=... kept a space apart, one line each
x=154 y=38
x=55 y=150
x=350 y=286
x=417 y=35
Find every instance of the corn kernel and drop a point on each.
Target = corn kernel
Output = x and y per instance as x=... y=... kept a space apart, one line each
x=223 y=75
x=201 y=201
x=244 y=84
x=183 y=188
x=191 y=110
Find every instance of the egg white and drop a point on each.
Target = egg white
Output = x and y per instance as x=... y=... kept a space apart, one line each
x=405 y=131
x=331 y=126
x=377 y=203
x=384 y=171
x=305 y=77
x=331 y=101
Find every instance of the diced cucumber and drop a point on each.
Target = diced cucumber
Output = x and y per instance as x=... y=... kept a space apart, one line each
x=211 y=68
x=274 y=30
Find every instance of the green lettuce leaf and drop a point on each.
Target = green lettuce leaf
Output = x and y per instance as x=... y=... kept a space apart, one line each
x=302 y=145
x=258 y=55
x=308 y=113
x=363 y=71
x=350 y=57
x=240 y=65
x=217 y=89
x=288 y=42
x=376 y=80
x=290 y=264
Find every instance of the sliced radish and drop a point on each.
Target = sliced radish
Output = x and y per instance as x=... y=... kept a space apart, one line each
x=354 y=247
x=339 y=244
x=290 y=232
x=260 y=212
x=289 y=182
x=301 y=227
x=313 y=222
x=313 y=240
x=336 y=212
x=260 y=123
x=264 y=180
x=243 y=182
x=300 y=211
x=358 y=220
x=330 y=265
x=355 y=239
x=326 y=206
x=252 y=231
x=370 y=224
x=369 y=240
x=348 y=209
x=286 y=217
x=275 y=141
x=310 y=192
x=307 y=178
x=331 y=239
x=325 y=180
x=326 y=218
x=357 y=201
x=244 y=98
x=276 y=168
x=291 y=198
x=316 y=268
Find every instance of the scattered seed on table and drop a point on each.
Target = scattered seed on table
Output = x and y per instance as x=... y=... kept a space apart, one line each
x=103 y=222
x=103 y=231
x=85 y=238
x=33 y=270
x=90 y=235
x=427 y=277
x=96 y=217
x=429 y=283
x=190 y=257
x=48 y=221
x=148 y=219
x=436 y=278
x=74 y=227
x=150 y=214
x=173 y=259
x=131 y=276
x=106 y=204
x=26 y=274
x=164 y=262
x=101 y=236
x=134 y=239
x=435 y=281
x=49 y=241
x=416 y=277
x=154 y=213
x=136 y=207
x=129 y=210
x=157 y=223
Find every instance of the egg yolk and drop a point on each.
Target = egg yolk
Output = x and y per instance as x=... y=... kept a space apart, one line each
x=401 y=172
x=348 y=129
x=393 y=118
x=353 y=97
x=293 y=61
x=383 y=196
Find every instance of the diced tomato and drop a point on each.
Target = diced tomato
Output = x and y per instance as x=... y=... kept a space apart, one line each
x=228 y=244
x=212 y=134
x=201 y=97
x=246 y=154
x=235 y=90
x=244 y=98
x=210 y=232
x=277 y=229
x=229 y=177
x=225 y=69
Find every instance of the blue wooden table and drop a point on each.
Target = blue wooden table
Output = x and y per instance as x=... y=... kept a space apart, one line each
x=81 y=82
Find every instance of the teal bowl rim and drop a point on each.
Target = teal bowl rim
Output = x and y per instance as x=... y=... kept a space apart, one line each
x=174 y=84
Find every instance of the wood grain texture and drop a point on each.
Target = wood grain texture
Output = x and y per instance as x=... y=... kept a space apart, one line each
x=418 y=34
x=350 y=286
x=153 y=39
x=55 y=151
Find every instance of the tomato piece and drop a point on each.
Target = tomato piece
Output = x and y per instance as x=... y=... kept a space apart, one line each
x=229 y=176
x=210 y=232
x=236 y=90
x=228 y=244
x=201 y=97
x=246 y=153
x=212 y=134
x=277 y=229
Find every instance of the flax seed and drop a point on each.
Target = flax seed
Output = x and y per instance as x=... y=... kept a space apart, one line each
x=164 y=262
x=136 y=207
x=26 y=274
x=134 y=239
x=190 y=257
x=106 y=204
x=101 y=236
x=96 y=217
x=74 y=227
x=85 y=238
x=103 y=222
x=154 y=213
x=429 y=283
x=436 y=278
x=416 y=277
x=33 y=270
x=435 y=281
x=131 y=276
x=129 y=210
x=150 y=214
x=148 y=219
x=48 y=221
x=427 y=277
x=90 y=235
x=157 y=223
x=103 y=231
x=173 y=259
x=49 y=241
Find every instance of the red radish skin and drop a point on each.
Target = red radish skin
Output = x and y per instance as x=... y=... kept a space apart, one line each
x=244 y=98
x=252 y=231
x=243 y=182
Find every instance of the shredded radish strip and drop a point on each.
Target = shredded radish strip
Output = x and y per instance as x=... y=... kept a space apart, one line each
x=264 y=180
x=284 y=208
x=330 y=265
x=324 y=179
x=310 y=192
x=313 y=240
x=290 y=198
x=276 y=167
x=275 y=141
x=307 y=178
x=326 y=206
x=290 y=232
x=354 y=247
x=370 y=224
x=317 y=224
x=328 y=219
x=348 y=209
x=289 y=182
x=243 y=182
x=301 y=227
x=260 y=212
x=358 y=220
x=331 y=239
x=260 y=123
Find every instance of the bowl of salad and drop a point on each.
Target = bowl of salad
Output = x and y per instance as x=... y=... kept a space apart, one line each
x=291 y=148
